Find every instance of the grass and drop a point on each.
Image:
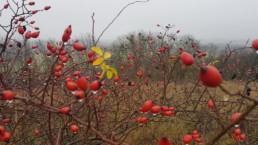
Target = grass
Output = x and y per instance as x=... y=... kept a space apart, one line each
x=202 y=119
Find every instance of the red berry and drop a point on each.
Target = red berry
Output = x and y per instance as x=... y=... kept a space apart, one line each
x=28 y=35
x=68 y=30
x=129 y=57
x=167 y=113
x=255 y=44
x=164 y=108
x=31 y=3
x=164 y=141
x=34 y=46
x=186 y=58
x=139 y=74
x=195 y=132
x=122 y=84
x=67 y=34
x=29 y=60
x=236 y=137
x=147 y=106
x=82 y=83
x=79 y=47
x=95 y=85
x=58 y=74
x=236 y=116
x=48 y=53
x=35 y=34
x=142 y=119
x=166 y=47
x=242 y=136
x=90 y=53
x=200 y=55
x=171 y=108
x=47 y=8
x=64 y=59
x=49 y=46
x=155 y=109
x=79 y=94
x=6 y=121
x=237 y=131
x=196 y=136
x=71 y=86
x=65 y=37
x=6 y=136
x=172 y=57
x=34 y=11
x=198 y=140
x=187 y=139
x=36 y=132
x=8 y=95
x=2 y=130
x=21 y=19
x=6 y=6
x=58 y=68
x=210 y=104
x=116 y=79
x=104 y=92
x=122 y=68
x=64 y=110
x=74 y=128
x=210 y=76
x=21 y=30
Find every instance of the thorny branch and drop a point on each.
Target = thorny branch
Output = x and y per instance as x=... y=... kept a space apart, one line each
x=119 y=13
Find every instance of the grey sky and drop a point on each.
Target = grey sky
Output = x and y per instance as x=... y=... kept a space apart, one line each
x=204 y=19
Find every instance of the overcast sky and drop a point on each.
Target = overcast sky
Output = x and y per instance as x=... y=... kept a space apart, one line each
x=204 y=19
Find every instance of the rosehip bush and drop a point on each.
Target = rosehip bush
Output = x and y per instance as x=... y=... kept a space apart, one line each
x=149 y=88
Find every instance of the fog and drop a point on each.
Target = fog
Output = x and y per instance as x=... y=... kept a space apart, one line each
x=207 y=20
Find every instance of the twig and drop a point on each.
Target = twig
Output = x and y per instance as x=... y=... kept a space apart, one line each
x=95 y=43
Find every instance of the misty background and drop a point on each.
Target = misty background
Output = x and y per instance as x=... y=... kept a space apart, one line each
x=217 y=21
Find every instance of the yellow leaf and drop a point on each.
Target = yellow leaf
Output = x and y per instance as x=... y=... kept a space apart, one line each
x=98 y=61
x=104 y=66
x=214 y=62
x=97 y=50
x=109 y=74
x=113 y=70
x=107 y=55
